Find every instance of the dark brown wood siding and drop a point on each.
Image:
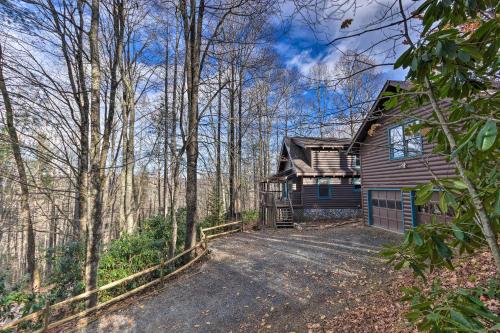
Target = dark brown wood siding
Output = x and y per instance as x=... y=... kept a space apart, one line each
x=378 y=171
x=343 y=194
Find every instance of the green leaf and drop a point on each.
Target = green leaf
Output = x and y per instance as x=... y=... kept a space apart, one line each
x=487 y=135
x=417 y=271
x=459 y=317
x=391 y=103
x=443 y=203
x=472 y=51
x=458 y=184
x=414 y=63
x=433 y=316
x=399 y=265
x=455 y=152
x=459 y=234
x=418 y=240
x=439 y=49
x=403 y=59
x=443 y=249
x=450 y=199
x=463 y=56
x=486 y=314
x=424 y=194
x=413 y=315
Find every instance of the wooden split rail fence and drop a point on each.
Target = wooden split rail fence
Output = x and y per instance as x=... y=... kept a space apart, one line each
x=45 y=313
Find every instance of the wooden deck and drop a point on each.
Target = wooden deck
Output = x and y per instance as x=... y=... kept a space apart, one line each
x=276 y=206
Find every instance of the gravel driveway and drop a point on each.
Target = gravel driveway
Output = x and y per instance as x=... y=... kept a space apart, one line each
x=268 y=281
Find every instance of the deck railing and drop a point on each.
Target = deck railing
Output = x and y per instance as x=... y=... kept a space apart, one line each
x=45 y=314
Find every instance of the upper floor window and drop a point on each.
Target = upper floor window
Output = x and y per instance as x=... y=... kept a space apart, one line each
x=324 y=188
x=403 y=142
x=356 y=182
x=356 y=162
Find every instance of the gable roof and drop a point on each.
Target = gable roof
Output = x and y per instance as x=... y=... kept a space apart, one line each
x=297 y=149
x=374 y=113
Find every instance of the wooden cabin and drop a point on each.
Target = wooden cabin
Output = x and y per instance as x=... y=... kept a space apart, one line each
x=316 y=179
x=392 y=158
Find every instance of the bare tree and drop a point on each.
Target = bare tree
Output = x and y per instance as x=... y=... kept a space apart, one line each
x=23 y=180
x=355 y=91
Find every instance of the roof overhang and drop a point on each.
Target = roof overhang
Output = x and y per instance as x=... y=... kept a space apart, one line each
x=374 y=113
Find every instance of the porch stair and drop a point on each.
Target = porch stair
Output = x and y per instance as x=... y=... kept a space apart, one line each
x=284 y=217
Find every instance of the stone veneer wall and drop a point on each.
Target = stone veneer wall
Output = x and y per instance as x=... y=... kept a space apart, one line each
x=315 y=214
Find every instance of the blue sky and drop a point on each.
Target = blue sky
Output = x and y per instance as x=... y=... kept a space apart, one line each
x=302 y=45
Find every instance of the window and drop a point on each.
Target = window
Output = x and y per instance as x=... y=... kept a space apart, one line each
x=356 y=163
x=387 y=203
x=391 y=204
x=356 y=182
x=403 y=142
x=324 y=188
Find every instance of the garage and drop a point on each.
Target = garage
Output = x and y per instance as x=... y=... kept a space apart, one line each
x=431 y=212
x=386 y=210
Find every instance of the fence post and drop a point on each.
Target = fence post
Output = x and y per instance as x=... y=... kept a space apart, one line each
x=46 y=315
x=162 y=267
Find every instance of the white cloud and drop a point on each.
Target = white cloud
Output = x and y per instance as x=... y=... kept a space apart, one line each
x=377 y=44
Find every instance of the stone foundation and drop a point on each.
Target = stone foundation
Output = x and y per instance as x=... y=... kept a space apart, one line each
x=317 y=214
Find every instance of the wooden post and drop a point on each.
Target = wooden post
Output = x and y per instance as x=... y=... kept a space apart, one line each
x=46 y=315
x=162 y=267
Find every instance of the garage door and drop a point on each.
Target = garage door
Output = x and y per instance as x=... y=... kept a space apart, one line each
x=431 y=212
x=386 y=210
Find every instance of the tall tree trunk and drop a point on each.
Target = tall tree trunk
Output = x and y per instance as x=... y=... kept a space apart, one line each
x=129 y=200
x=165 y=134
x=260 y=153
x=99 y=147
x=94 y=239
x=231 y=146
x=218 y=166
x=52 y=238
x=123 y=174
x=175 y=154
x=192 y=36
x=23 y=181
x=81 y=203
x=130 y=193
x=239 y=146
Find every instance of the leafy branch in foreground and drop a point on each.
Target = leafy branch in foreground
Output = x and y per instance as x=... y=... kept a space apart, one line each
x=453 y=68
x=464 y=310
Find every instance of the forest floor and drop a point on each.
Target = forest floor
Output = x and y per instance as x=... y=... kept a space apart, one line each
x=264 y=281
